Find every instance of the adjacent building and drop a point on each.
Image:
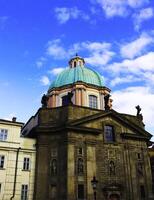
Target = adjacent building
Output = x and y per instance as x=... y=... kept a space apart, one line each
x=85 y=149
x=151 y=154
x=17 y=162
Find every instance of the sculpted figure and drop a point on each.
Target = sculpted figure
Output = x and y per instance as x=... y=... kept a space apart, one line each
x=44 y=100
x=106 y=101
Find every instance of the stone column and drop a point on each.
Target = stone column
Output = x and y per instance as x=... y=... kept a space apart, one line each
x=148 y=176
x=83 y=97
x=71 y=191
x=76 y=96
x=91 y=170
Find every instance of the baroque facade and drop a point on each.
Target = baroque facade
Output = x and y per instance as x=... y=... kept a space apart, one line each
x=17 y=162
x=81 y=141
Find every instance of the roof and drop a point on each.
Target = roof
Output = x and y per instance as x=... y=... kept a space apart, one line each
x=10 y=122
x=82 y=119
x=77 y=74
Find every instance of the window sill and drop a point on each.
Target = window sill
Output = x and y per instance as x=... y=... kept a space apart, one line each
x=114 y=143
x=26 y=170
x=1 y=168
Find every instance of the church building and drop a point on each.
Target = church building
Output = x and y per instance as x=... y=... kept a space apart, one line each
x=85 y=150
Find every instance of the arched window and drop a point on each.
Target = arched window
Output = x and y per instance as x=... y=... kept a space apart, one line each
x=80 y=166
x=92 y=101
x=109 y=133
x=74 y=63
x=53 y=167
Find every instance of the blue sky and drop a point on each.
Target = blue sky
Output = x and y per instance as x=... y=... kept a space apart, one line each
x=37 y=38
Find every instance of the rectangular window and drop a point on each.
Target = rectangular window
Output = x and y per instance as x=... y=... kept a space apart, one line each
x=3 y=134
x=139 y=156
x=80 y=151
x=2 y=161
x=109 y=134
x=80 y=192
x=24 y=192
x=65 y=100
x=26 y=164
x=92 y=101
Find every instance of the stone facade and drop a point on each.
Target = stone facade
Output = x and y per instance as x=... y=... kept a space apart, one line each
x=151 y=154
x=76 y=143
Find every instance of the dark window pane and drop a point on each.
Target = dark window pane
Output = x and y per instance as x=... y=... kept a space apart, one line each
x=109 y=134
x=80 y=166
x=65 y=100
x=80 y=191
x=142 y=190
x=24 y=192
x=1 y=161
x=92 y=101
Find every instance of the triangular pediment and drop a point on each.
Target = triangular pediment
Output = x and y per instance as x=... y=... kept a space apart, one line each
x=125 y=125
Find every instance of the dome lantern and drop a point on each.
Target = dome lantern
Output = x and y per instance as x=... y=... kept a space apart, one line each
x=76 y=61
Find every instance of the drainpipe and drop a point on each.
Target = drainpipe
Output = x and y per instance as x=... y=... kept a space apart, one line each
x=15 y=175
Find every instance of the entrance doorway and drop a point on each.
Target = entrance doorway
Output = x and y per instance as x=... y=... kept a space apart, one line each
x=114 y=197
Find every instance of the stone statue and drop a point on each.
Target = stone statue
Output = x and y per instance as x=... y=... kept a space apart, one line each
x=138 y=108
x=54 y=167
x=69 y=96
x=106 y=101
x=112 y=168
x=44 y=101
x=139 y=115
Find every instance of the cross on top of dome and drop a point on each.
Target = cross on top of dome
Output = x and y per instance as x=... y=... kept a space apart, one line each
x=76 y=61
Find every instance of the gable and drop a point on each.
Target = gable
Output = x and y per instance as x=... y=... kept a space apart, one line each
x=122 y=124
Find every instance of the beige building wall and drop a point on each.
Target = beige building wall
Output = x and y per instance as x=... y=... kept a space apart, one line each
x=9 y=148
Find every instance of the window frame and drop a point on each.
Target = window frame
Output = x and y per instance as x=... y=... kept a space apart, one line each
x=109 y=138
x=26 y=164
x=80 y=166
x=93 y=101
x=82 y=197
x=2 y=161
x=3 y=134
x=24 y=192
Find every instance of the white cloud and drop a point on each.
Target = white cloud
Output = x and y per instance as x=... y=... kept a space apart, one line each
x=64 y=14
x=96 y=46
x=56 y=50
x=100 y=58
x=99 y=52
x=124 y=79
x=57 y=70
x=40 y=62
x=120 y=7
x=135 y=48
x=113 y=8
x=125 y=101
x=136 y=3
x=142 y=16
x=143 y=63
x=45 y=80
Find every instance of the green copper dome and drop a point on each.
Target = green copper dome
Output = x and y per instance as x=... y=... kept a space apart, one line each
x=75 y=74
